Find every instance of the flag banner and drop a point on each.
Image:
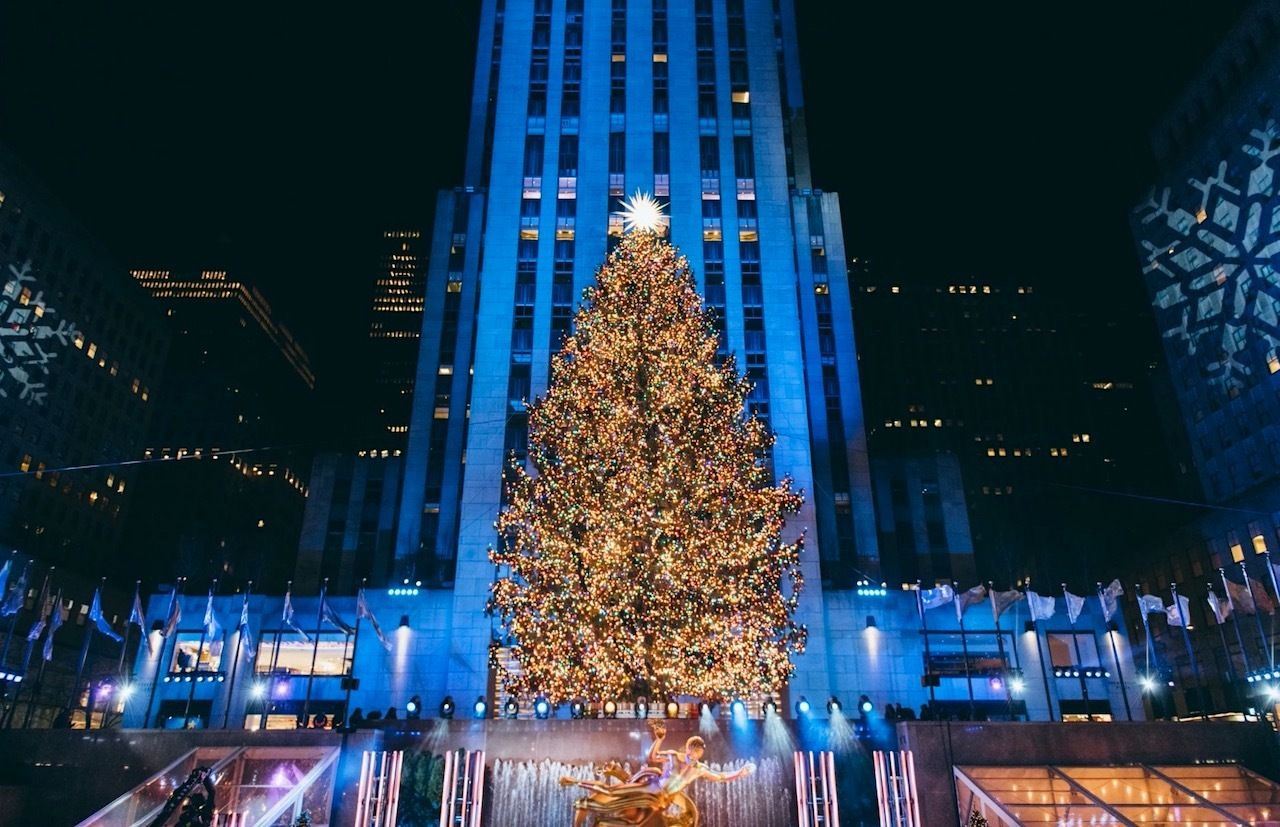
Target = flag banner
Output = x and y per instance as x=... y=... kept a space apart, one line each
x=212 y=631
x=1149 y=603
x=363 y=611
x=1261 y=599
x=1239 y=597
x=1178 y=613
x=246 y=636
x=175 y=615
x=54 y=624
x=331 y=617
x=288 y=617
x=1109 y=597
x=1003 y=600
x=1041 y=606
x=100 y=622
x=45 y=602
x=1075 y=605
x=4 y=578
x=933 y=598
x=1221 y=611
x=139 y=618
x=970 y=597
x=17 y=595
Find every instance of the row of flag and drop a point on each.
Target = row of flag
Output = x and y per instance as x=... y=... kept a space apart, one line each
x=51 y=615
x=1243 y=598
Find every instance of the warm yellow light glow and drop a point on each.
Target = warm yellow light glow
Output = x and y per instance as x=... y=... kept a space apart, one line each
x=642 y=212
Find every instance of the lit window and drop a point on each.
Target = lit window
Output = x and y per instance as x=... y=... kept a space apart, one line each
x=454 y=287
x=1259 y=544
x=619 y=58
x=657 y=58
x=741 y=97
x=190 y=655
x=93 y=350
x=25 y=465
x=991 y=452
x=442 y=413
x=294 y=657
x=445 y=370
x=1084 y=437
x=1237 y=553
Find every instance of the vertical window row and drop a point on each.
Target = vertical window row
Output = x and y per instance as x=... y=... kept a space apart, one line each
x=661 y=104
x=782 y=91
x=571 y=94
x=491 y=104
x=618 y=67
x=713 y=279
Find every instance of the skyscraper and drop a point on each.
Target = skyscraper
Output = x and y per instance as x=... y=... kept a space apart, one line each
x=576 y=105
x=395 y=330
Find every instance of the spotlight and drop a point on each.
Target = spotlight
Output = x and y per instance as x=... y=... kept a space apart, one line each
x=996 y=683
x=1148 y=685
x=541 y=709
x=673 y=709
x=126 y=692
x=871 y=621
x=770 y=707
x=446 y=707
x=610 y=709
x=281 y=689
x=706 y=708
x=738 y=709
x=802 y=707
x=1029 y=627
x=1017 y=685
x=577 y=710
x=511 y=709
x=864 y=704
x=642 y=707
x=480 y=708
x=413 y=709
x=257 y=692
x=833 y=705
x=404 y=621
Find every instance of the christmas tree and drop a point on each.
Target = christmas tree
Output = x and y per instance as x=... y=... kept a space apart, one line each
x=643 y=555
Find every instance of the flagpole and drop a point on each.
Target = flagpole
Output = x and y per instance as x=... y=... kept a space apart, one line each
x=351 y=673
x=235 y=665
x=204 y=633
x=275 y=656
x=1235 y=621
x=1222 y=636
x=4 y=656
x=1191 y=652
x=84 y=659
x=164 y=641
x=928 y=662
x=41 y=600
x=1267 y=651
x=995 y=616
x=128 y=627
x=964 y=645
x=1115 y=651
x=1075 y=641
x=31 y=705
x=315 y=652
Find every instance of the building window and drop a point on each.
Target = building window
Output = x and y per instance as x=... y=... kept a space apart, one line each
x=292 y=655
x=1062 y=650
x=189 y=655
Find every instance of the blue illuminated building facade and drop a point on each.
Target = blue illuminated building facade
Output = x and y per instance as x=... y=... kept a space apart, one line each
x=576 y=105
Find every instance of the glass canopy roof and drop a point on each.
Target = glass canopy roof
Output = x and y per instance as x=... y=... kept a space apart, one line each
x=1202 y=794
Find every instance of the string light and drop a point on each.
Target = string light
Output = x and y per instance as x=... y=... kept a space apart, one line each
x=647 y=548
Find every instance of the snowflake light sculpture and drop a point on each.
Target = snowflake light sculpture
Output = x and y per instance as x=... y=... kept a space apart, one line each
x=29 y=338
x=1210 y=250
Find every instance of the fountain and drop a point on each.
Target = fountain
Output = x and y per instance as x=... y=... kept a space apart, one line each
x=529 y=794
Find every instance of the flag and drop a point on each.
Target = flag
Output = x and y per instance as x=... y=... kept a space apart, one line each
x=1261 y=599
x=175 y=615
x=1042 y=608
x=139 y=618
x=212 y=631
x=1221 y=611
x=1075 y=605
x=363 y=611
x=1149 y=603
x=45 y=601
x=968 y=598
x=1179 y=612
x=1239 y=597
x=54 y=625
x=933 y=598
x=1003 y=600
x=1109 y=597
x=288 y=617
x=4 y=577
x=95 y=614
x=246 y=636
x=330 y=616
x=17 y=595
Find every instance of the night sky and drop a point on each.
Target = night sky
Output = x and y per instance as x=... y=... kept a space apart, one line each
x=277 y=140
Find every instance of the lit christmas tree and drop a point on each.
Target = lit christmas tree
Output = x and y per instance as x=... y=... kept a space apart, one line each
x=645 y=554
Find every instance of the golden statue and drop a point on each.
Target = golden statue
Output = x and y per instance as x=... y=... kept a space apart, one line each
x=653 y=797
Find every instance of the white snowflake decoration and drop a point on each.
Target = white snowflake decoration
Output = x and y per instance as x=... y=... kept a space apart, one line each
x=29 y=339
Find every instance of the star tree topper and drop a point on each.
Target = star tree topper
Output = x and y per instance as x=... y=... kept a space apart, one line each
x=643 y=212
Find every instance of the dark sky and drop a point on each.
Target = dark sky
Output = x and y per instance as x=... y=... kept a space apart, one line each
x=277 y=139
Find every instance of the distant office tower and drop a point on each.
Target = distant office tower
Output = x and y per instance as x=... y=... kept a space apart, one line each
x=235 y=380
x=1032 y=393
x=395 y=332
x=576 y=105
x=81 y=350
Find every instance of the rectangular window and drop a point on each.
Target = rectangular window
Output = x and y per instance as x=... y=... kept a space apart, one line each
x=1062 y=650
x=292 y=655
x=190 y=656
